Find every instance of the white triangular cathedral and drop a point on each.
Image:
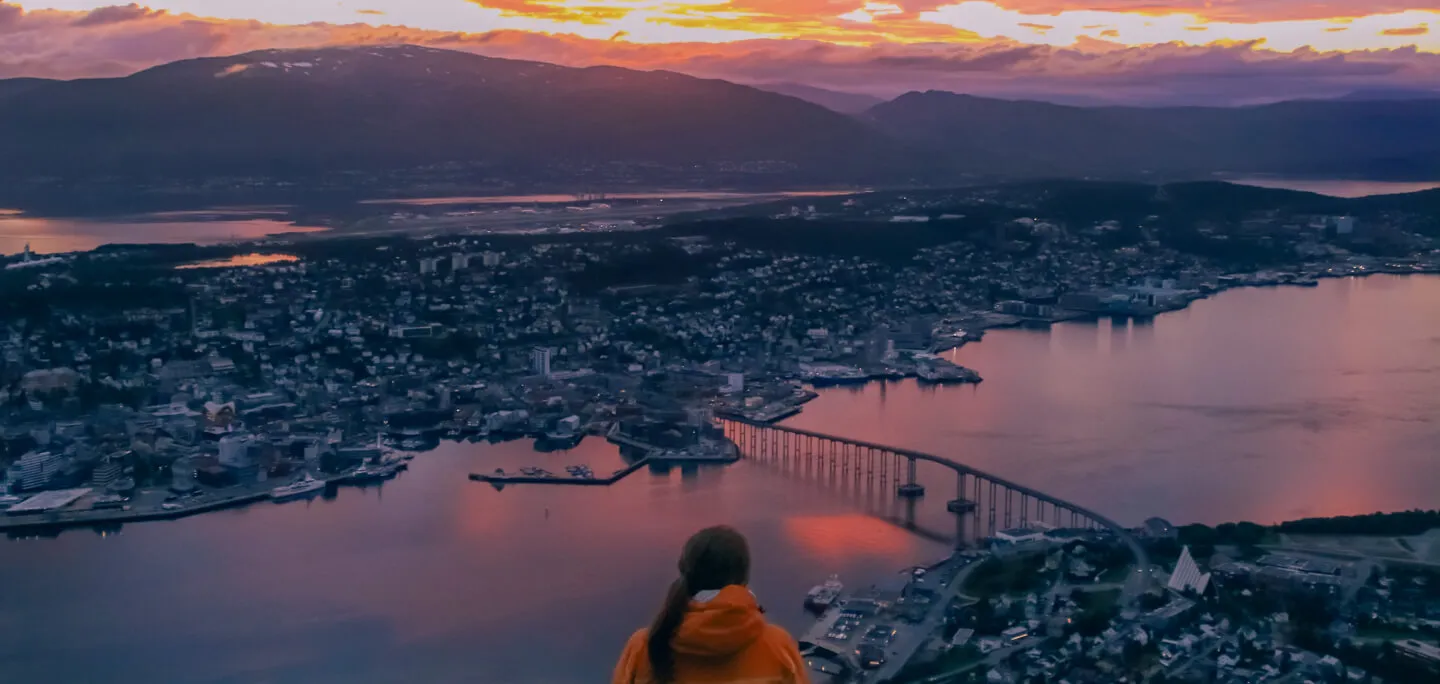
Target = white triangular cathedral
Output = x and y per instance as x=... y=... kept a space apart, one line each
x=1187 y=574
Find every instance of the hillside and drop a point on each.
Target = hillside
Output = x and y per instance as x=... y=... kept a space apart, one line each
x=297 y=112
x=1341 y=138
x=401 y=117
x=840 y=101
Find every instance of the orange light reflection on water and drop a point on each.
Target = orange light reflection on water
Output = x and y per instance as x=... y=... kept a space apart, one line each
x=240 y=260
x=838 y=537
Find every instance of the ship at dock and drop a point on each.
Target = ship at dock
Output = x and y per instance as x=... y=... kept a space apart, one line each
x=822 y=596
x=825 y=375
x=945 y=373
x=302 y=488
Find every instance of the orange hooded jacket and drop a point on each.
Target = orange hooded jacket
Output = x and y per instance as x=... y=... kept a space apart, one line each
x=724 y=640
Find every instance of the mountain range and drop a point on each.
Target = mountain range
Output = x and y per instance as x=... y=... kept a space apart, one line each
x=1310 y=137
x=297 y=113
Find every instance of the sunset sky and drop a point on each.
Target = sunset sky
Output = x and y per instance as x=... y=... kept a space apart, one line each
x=1194 y=51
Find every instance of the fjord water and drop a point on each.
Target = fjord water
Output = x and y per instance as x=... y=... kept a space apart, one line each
x=60 y=235
x=1340 y=187
x=1260 y=404
x=1257 y=404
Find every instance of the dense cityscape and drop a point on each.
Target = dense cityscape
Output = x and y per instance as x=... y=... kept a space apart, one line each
x=139 y=386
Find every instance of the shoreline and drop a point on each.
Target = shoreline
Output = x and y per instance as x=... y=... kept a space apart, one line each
x=774 y=413
x=997 y=321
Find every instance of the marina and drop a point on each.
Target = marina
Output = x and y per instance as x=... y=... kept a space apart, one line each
x=49 y=512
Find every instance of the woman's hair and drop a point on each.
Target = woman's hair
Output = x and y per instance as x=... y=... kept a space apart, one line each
x=716 y=557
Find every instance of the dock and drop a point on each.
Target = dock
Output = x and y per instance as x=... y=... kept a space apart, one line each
x=614 y=437
x=501 y=480
x=61 y=520
x=662 y=456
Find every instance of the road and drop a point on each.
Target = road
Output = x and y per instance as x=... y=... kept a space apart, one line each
x=911 y=637
x=990 y=660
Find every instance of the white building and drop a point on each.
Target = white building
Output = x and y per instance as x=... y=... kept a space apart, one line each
x=109 y=470
x=235 y=450
x=540 y=360
x=459 y=261
x=734 y=383
x=490 y=259
x=1187 y=574
x=37 y=468
x=1344 y=225
x=1021 y=535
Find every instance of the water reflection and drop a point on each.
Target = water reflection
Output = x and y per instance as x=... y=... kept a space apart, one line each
x=1257 y=404
x=59 y=235
x=1340 y=188
x=430 y=577
x=1260 y=404
x=240 y=260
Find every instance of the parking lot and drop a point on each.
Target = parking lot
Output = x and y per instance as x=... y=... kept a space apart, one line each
x=877 y=630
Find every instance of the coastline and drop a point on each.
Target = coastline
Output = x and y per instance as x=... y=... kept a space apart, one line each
x=774 y=413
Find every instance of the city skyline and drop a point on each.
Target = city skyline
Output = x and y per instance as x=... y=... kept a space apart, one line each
x=1121 y=50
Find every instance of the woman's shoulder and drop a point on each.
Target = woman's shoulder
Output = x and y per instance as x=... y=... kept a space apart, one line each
x=639 y=639
x=776 y=634
x=779 y=641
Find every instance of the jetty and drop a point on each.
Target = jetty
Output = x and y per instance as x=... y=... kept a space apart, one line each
x=502 y=478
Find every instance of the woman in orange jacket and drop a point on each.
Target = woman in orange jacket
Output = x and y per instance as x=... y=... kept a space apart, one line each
x=711 y=630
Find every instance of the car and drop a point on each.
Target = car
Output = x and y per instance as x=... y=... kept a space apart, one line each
x=880 y=635
x=837 y=635
x=870 y=656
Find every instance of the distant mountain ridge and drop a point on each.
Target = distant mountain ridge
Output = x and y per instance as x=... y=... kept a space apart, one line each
x=840 y=101
x=357 y=111
x=375 y=108
x=1390 y=94
x=1302 y=137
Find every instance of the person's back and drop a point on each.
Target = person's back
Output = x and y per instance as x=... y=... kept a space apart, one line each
x=711 y=630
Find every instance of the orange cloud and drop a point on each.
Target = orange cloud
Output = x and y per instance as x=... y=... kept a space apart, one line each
x=1411 y=31
x=1284 y=24
x=894 y=54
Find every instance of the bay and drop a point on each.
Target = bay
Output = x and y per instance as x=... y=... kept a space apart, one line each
x=1260 y=404
x=48 y=235
x=1257 y=404
x=1339 y=187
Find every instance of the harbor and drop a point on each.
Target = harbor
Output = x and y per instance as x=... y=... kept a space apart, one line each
x=708 y=451
x=577 y=476
x=88 y=507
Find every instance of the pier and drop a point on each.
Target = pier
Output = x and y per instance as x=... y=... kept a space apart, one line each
x=66 y=519
x=501 y=480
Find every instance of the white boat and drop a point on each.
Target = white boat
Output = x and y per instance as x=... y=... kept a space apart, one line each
x=822 y=596
x=834 y=375
x=303 y=487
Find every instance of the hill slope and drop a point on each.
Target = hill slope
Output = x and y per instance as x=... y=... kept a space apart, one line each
x=840 y=101
x=295 y=112
x=1391 y=138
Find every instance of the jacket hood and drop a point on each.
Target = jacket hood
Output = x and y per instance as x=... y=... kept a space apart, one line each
x=722 y=626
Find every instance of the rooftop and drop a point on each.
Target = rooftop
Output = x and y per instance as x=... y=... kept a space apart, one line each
x=46 y=501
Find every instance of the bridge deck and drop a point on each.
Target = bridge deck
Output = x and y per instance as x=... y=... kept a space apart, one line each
x=1121 y=532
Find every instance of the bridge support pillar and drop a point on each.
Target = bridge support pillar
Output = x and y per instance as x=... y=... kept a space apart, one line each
x=911 y=489
x=992 y=506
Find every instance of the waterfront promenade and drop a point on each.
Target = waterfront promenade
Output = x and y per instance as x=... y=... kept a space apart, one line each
x=146 y=510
